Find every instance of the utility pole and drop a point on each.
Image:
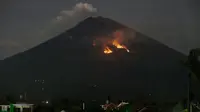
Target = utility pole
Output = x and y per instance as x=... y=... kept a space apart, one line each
x=189 y=92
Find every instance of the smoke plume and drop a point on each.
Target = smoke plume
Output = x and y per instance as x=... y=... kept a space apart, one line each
x=68 y=19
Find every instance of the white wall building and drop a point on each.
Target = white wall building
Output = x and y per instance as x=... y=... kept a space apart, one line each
x=19 y=107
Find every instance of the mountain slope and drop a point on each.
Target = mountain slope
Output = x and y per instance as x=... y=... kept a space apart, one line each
x=71 y=66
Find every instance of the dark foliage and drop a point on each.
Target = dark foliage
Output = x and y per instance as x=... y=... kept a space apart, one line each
x=42 y=108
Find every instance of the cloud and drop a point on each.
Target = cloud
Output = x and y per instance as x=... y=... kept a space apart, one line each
x=80 y=11
x=67 y=19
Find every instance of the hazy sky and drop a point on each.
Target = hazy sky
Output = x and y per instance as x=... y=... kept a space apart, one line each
x=26 y=23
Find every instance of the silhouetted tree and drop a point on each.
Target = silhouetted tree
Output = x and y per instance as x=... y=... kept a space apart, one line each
x=7 y=99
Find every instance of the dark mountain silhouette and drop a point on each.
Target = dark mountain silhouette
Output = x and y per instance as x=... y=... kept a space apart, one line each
x=72 y=67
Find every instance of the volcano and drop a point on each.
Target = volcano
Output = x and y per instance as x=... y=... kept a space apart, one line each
x=74 y=64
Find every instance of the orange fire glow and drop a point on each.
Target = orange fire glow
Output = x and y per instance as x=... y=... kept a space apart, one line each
x=119 y=46
x=112 y=42
x=107 y=50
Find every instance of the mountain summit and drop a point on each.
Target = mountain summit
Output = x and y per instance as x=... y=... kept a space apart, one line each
x=76 y=64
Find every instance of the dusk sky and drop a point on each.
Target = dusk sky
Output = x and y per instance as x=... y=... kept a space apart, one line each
x=26 y=23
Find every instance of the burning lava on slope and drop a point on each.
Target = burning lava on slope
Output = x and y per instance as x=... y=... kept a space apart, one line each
x=113 y=41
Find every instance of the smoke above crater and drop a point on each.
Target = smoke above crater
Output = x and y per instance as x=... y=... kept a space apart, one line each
x=67 y=19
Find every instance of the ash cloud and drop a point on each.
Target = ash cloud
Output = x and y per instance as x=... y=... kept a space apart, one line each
x=68 y=19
